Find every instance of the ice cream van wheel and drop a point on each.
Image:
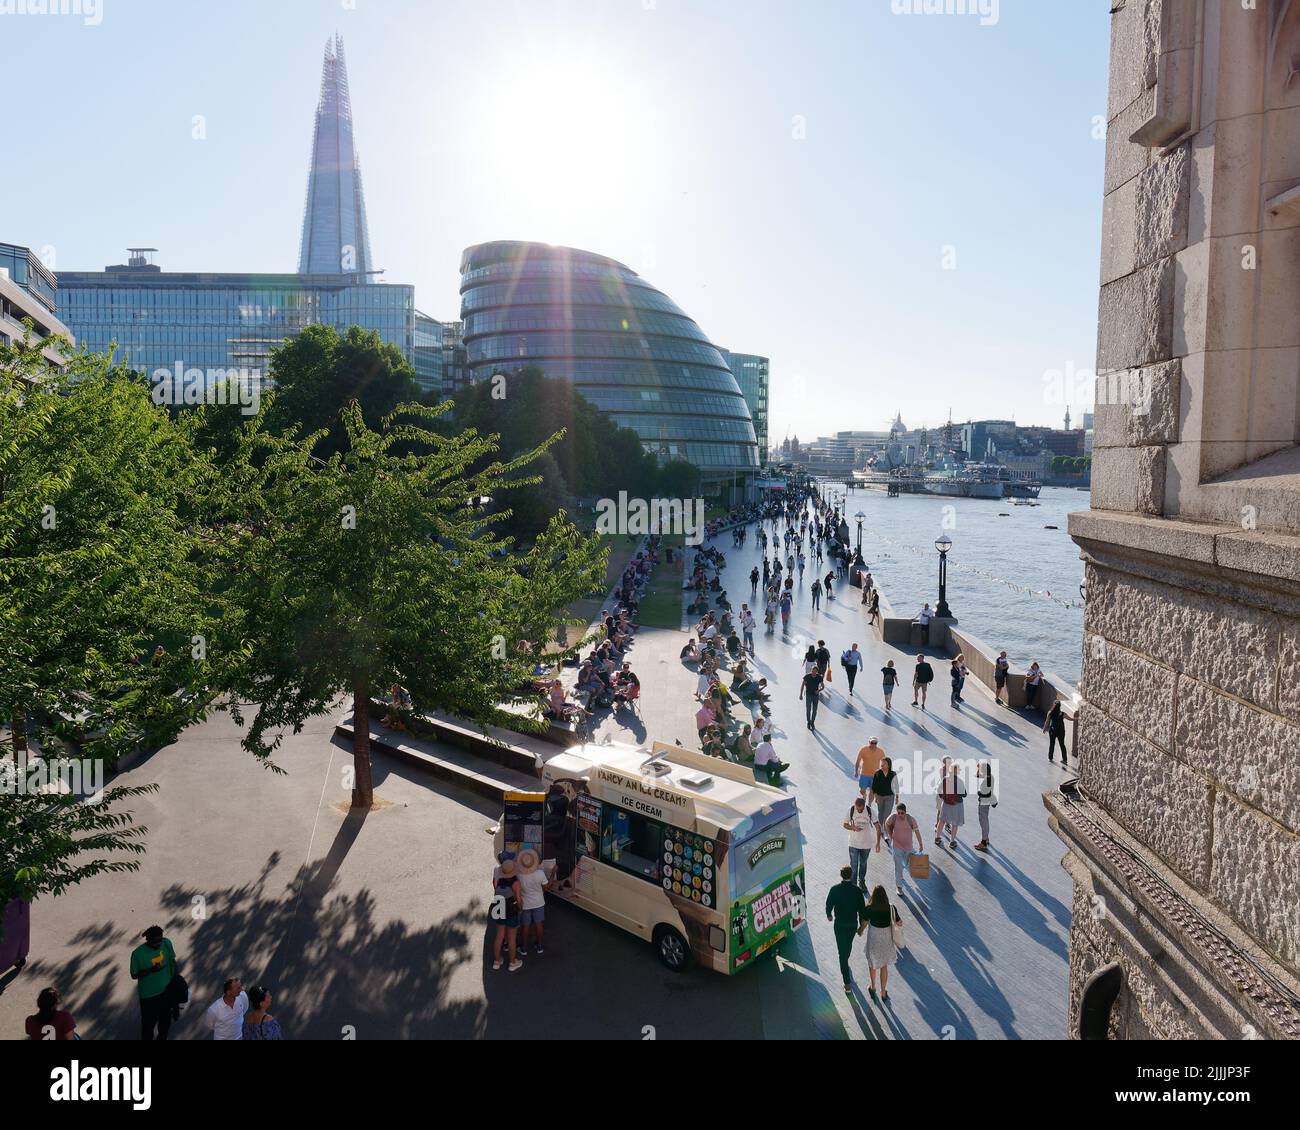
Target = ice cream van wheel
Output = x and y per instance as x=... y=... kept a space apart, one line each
x=671 y=948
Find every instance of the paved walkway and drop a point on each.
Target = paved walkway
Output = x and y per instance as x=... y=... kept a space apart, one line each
x=986 y=939
x=375 y=925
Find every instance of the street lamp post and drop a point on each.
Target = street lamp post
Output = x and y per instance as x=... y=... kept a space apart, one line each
x=861 y=517
x=943 y=543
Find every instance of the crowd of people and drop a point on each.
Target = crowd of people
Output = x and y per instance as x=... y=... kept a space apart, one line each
x=605 y=676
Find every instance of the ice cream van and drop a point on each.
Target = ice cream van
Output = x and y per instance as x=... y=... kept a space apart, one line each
x=686 y=851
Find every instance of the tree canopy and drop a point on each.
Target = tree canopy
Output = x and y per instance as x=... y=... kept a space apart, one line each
x=320 y=371
x=369 y=567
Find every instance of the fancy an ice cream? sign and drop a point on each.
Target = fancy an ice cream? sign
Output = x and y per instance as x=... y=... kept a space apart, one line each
x=645 y=797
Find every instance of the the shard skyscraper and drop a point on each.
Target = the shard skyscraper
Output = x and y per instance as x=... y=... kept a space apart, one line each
x=335 y=239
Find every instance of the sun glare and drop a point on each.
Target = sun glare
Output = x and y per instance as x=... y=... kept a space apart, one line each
x=566 y=144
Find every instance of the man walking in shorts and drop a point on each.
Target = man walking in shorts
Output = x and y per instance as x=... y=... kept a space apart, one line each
x=922 y=677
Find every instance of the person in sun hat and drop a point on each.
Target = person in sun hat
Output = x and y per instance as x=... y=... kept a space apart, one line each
x=534 y=882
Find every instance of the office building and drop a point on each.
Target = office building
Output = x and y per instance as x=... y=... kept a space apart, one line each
x=752 y=374
x=426 y=356
x=335 y=238
x=221 y=321
x=28 y=290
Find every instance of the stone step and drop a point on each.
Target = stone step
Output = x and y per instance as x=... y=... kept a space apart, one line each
x=448 y=762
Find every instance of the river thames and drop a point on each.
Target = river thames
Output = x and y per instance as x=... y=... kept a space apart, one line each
x=1012 y=580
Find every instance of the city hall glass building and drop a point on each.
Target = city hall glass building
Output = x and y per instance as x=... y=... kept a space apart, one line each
x=629 y=348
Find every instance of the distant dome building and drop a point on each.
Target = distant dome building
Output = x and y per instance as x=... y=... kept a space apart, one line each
x=629 y=348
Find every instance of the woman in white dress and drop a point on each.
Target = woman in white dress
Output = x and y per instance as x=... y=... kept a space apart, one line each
x=882 y=951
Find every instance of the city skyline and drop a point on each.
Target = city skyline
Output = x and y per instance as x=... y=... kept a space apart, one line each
x=704 y=151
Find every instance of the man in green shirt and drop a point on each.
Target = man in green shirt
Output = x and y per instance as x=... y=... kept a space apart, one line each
x=153 y=965
x=846 y=907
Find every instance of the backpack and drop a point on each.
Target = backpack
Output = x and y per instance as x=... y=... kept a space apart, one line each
x=846 y=659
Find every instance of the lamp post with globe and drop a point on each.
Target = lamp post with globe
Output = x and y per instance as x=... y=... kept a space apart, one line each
x=943 y=544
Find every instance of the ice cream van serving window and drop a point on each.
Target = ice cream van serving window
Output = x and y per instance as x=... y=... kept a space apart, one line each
x=680 y=862
x=630 y=842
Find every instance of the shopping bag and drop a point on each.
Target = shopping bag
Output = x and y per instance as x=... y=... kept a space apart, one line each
x=830 y=675
x=918 y=866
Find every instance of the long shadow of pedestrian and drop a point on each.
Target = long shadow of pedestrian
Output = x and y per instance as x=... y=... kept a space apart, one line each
x=996 y=726
x=1019 y=909
x=1053 y=906
x=833 y=754
x=957 y=941
x=957 y=732
x=938 y=1009
x=902 y=723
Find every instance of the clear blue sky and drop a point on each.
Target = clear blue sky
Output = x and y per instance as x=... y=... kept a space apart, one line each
x=660 y=132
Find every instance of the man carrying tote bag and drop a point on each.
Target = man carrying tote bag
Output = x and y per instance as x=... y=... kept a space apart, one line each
x=904 y=837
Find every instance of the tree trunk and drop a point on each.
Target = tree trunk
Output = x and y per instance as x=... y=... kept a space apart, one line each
x=363 y=789
x=18 y=728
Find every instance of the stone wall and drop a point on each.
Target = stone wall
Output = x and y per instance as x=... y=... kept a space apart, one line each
x=1184 y=829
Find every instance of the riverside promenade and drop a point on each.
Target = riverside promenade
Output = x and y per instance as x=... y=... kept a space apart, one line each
x=373 y=926
x=985 y=952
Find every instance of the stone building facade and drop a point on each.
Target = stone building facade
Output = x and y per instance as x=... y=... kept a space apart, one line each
x=1183 y=829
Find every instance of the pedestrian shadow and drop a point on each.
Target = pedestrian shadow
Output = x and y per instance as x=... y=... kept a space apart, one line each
x=938 y=1009
x=997 y=727
x=902 y=722
x=1019 y=910
x=865 y=1011
x=833 y=754
x=960 y=945
x=1057 y=909
x=965 y=736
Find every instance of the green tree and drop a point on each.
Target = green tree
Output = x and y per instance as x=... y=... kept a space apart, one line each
x=679 y=479
x=320 y=372
x=52 y=842
x=369 y=568
x=532 y=507
x=101 y=499
x=525 y=408
x=99 y=495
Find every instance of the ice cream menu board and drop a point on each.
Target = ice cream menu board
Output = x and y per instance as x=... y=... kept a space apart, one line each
x=522 y=821
x=688 y=865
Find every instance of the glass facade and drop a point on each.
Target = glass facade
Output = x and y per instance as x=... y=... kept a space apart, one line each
x=335 y=238
x=427 y=356
x=24 y=268
x=751 y=373
x=219 y=321
x=628 y=347
x=28 y=292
